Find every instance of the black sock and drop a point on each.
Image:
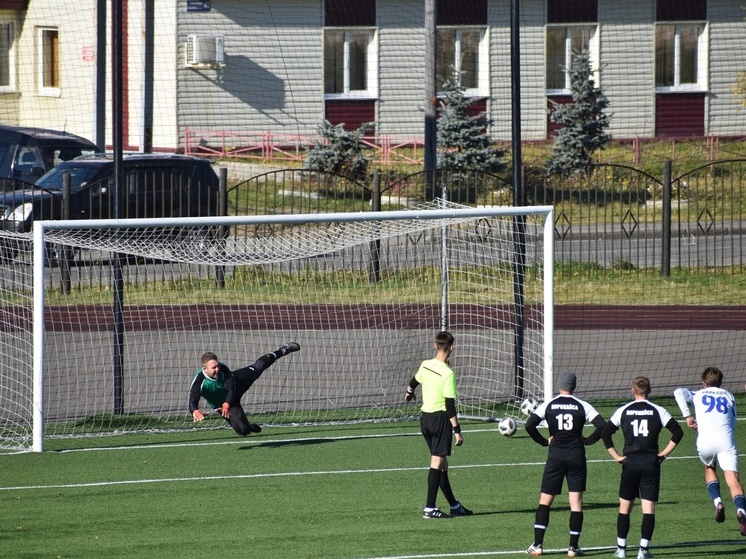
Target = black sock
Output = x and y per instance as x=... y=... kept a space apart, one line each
x=622 y=526
x=648 y=525
x=576 y=526
x=540 y=524
x=433 y=483
x=445 y=487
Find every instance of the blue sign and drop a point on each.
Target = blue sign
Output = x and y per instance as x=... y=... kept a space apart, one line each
x=198 y=5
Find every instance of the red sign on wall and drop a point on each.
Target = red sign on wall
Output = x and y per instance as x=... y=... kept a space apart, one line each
x=87 y=54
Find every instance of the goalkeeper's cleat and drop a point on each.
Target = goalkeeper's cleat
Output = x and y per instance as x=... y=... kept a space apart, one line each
x=434 y=513
x=720 y=513
x=644 y=553
x=460 y=510
x=620 y=553
x=573 y=551
x=289 y=348
x=254 y=428
x=742 y=522
x=535 y=550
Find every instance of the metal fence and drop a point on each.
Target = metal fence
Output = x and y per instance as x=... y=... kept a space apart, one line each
x=613 y=216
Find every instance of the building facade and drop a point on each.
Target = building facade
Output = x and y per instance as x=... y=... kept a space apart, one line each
x=240 y=71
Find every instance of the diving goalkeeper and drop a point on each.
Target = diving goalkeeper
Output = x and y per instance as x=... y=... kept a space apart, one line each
x=223 y=388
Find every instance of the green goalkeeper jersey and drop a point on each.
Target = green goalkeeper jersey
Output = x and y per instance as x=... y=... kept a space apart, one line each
x=214 y=391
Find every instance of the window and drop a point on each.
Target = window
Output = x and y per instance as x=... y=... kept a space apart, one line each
x=347 y=55
x=458 y=54
x=49 y=61
x=678 y=52
x=571 y=28
x=350 y=66
x=461 y=45
x=562 y=42
x=7 y=57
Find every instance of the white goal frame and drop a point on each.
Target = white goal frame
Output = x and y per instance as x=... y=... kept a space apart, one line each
x=546 y=213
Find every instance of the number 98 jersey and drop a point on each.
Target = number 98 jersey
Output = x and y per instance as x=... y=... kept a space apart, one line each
x=714 y=410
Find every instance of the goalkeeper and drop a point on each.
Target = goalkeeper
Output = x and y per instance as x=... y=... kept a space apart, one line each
x=223 y=388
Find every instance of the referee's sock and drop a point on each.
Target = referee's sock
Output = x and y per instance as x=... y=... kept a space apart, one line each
x=433 y=484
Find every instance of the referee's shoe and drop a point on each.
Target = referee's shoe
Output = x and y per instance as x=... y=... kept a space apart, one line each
x=460 y=510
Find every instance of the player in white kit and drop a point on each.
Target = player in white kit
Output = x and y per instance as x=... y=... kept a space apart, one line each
x=715 y=421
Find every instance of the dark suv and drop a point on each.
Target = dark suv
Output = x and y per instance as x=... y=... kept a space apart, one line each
x=27 y=153
x=152 y=186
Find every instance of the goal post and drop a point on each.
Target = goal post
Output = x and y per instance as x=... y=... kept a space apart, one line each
x=307 y=278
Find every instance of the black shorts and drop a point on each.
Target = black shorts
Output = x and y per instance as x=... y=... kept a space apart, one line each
x=641 y=477
x=570 y=465
x=438 y=432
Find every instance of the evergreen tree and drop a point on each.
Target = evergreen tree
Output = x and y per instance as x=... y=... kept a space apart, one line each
x=583 y=121
x=339 y=151
x=463 y=142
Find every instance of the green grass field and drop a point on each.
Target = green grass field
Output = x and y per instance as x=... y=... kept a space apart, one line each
x=331 y=492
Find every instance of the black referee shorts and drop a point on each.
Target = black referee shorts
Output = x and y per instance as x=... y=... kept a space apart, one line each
x=438 y=432
x=641 y=477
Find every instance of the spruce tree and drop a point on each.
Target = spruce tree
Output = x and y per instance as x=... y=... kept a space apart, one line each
x=339 y=151
x=463 y=141
x=583 y=121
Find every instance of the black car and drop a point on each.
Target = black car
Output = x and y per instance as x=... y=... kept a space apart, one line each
x=27 y=153
x=152 y=186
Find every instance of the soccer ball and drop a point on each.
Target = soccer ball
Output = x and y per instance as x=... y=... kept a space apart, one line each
x=507 y=427
x=528 y=406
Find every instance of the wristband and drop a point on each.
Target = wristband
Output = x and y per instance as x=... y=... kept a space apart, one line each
x=409 y=390
x=457 y=429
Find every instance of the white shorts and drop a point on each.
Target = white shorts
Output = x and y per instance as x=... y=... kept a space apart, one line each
x=724 y=452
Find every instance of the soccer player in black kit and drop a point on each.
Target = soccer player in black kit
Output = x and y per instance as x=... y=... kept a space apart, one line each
x=566 y=416
x=641 y=421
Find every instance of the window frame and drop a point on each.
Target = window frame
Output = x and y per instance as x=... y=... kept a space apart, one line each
x=594 y=53
x=10 y=87
x=371 y=73
x=700 y=85
x=41 y=71
x=483 y=58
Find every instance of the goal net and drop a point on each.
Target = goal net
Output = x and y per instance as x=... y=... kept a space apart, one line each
x=105 y=322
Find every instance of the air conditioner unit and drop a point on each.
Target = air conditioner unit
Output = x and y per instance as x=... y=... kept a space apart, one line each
x=204 y=51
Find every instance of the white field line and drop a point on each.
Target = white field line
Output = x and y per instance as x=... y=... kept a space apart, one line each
x=278 y=474
x=631 y=550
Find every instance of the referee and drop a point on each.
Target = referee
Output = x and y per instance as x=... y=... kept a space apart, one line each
x=437 y=423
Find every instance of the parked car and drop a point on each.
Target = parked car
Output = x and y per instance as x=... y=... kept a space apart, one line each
x=152 y=186
x=27 y=153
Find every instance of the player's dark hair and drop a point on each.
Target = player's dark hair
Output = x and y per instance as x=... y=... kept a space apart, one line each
x=443 y=341
x=712 y=377
x=209 y=356
x=641 y=386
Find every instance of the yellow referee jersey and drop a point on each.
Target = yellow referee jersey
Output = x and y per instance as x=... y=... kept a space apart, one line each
x=438 y=382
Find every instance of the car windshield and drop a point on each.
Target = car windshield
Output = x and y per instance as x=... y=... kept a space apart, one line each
x=80 y=177
x=58 y=154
